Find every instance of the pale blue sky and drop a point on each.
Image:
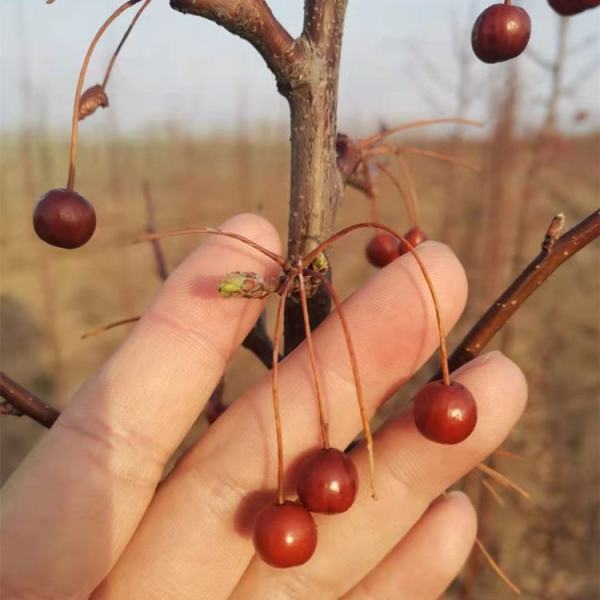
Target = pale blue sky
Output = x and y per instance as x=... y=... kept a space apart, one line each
x=186 y=70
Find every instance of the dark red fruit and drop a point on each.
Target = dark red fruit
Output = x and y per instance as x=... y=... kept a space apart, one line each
x=500 y=33
x=327 y=482
x=285 y=535
x=382 y=250
x=567 y=8
x=446 y=414
x=63 y=218
x=414 y=237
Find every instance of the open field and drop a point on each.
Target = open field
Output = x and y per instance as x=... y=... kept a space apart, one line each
x=50 y=297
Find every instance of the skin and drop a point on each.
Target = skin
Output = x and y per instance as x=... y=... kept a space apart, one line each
x=85 y=514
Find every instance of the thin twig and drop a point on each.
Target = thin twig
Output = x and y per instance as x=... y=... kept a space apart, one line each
x=490 y=488
x=530 y=280
x=159 y=257
x=496 y=568
x=103 y=328
x=502 y=479
x=507 y=454
x=24 y=402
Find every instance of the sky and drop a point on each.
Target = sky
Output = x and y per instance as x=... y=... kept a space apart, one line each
x=399 y=63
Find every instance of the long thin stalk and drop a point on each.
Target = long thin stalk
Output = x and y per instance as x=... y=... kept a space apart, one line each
x=103 y=328
x=78 y=90
x=275 y=388
x=438 y=315
x=412 y=190
x=405 y=199
x=398 y=150
x=356 y=376
x=111 y=64
x=313 y=364
x=148 y=237
x=378 y=137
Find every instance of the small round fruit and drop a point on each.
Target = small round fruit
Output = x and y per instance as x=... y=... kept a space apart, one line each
x=327 y=481
x=285 y=535
x=446 y=414
x=500 y=33
x=382 y=250
x=414 y=237
x=567 y=8
x=64 y=218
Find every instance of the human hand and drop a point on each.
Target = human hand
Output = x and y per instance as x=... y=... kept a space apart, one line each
x=85 y=510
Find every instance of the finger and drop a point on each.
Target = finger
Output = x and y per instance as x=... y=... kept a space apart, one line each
x=412 y=472
x=98 y=467
x=426 y=561
x=200 y=515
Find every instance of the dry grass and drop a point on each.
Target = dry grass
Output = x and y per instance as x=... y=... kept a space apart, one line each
x=50 y=297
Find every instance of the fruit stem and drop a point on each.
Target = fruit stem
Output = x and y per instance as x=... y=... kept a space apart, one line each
x=151 y=236
x=371 y=192
x=313 y=363
x=412 y=190
x=138 y=14
x=378 y=137
x=398 y=150
x=405 y=199
x=438 y=315
x=108 y=327
x=356 y=375
x=275 y=384
x=79 y=88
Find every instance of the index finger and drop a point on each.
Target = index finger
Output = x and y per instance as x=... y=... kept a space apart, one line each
x=97 y=468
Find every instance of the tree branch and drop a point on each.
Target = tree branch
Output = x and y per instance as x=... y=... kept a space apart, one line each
x=259 y=343
x=555 y=251
x=253 y=21
x=316 y=186
x=20 y=402
x=319 y=17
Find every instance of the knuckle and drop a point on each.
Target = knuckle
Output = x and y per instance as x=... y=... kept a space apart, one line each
x=124 y=453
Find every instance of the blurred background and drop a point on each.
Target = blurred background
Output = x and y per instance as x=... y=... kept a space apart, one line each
x=195 y=117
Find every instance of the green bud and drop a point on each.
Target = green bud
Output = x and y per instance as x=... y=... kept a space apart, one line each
x=246 y=285
x=320 y=264
x=232 y=285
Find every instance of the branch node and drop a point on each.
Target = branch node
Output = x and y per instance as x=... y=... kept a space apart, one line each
x=554 y=230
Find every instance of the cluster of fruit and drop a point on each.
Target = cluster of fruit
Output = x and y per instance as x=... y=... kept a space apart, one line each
x=285 y=534
x=502 y=31
x=384 y=248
